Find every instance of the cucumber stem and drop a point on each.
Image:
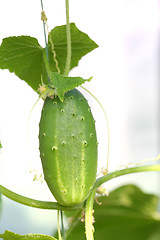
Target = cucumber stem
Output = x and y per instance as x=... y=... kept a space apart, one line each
x=47 y=66
x=68 y=34
x=45 y=38
x=36 y=203
x=62 y=224
x=125 y=171
x=89 y=228
x=74 y=222
x=90 y=201
x=59 y=229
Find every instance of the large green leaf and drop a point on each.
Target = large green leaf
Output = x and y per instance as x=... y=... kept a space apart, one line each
x=23 y=55
x=13 y=236
x=126 y=214
x=81 y=44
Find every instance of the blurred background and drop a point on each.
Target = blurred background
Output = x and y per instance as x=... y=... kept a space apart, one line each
x=125 y=70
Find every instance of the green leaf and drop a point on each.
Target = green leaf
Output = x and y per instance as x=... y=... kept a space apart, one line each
x=0 y=145
x=62 y=84
x=126 y=214
x=24 y=56
x=13 y=236
x=81 y=44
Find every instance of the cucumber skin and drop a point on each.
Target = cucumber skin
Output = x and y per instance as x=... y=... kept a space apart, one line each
x=68 y=147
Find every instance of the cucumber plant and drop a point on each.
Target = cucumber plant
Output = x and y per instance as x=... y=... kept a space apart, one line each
x=67 y=133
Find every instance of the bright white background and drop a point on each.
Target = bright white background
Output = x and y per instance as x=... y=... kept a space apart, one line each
x=125 y=80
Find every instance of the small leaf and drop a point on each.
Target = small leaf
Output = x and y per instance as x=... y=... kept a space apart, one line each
x=24 y=56
x=81 y=44
x=0 y=145
x=62 y=84
x=126 y=214
x=13 y=236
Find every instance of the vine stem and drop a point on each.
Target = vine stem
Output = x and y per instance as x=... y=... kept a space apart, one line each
x=74 y=222
x=59 y=229
x=90 y=201
x=125 y=171
x=45 y=37
x=89 y=205
x=47 y=66
x=68 y=33
x=89 y=228
x=36 y=203
x=62 y=224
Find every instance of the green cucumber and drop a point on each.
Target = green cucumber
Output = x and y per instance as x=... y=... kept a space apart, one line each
x=68 y=147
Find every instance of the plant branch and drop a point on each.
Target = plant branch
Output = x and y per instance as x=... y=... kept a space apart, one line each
x=36 y=203
x=68 y=32
x=62 y=224
x=59 y=229
x=89 y=228
x=47 y=66
x=90 y=201
x=125 y=171
x=74 y=222
x=46 y=48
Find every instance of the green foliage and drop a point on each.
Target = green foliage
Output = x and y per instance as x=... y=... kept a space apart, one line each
x=23 y=55
x=127 y=213
x=13 y=236
x=61 y=84
x=81 y=44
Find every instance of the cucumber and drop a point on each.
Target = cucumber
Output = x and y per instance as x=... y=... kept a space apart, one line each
x=68 y=147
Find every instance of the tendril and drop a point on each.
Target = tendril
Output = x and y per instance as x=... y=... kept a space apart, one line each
x=106 y=170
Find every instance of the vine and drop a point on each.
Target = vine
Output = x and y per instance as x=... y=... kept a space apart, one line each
x=57 y=86
x=89 y=229
x=44 y=19
x=54 y=205
x=68 y=34
x=59 y=228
